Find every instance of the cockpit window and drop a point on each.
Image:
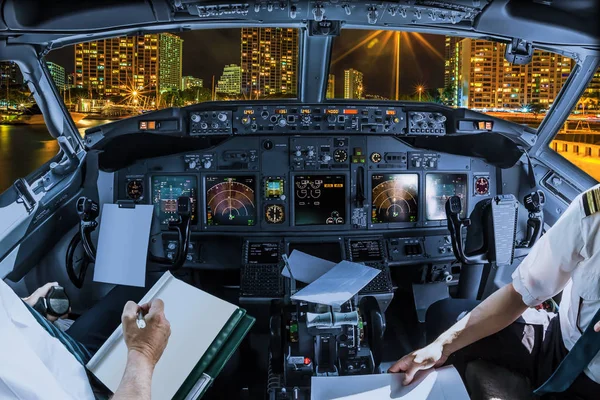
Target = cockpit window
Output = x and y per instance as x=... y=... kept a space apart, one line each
x=25 y=144
x=125 y=76
x=579 y=138
x=455 y=71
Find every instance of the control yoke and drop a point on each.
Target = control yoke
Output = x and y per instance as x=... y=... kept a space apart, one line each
x=455 y=226
x=183 y=228
x=534 y=203
x=88 y=210
x=495 y=231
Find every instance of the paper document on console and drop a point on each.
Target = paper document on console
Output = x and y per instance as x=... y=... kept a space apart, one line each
x=338 y=285
x=435 y=384
x=306 y=268
x=123 y=244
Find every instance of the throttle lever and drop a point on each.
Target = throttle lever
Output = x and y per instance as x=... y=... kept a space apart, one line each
x=455 y=226
x=534 y=203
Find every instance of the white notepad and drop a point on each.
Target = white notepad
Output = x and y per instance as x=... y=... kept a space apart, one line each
x=196 y=318
x=123 y=245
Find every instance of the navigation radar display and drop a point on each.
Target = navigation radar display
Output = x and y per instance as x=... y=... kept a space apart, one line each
x=230 y=200
x=166 y=189
x=439 y=188
x=395 y=198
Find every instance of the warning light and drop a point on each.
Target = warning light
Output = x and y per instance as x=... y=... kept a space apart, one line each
x=332 y=111
x=306 y=361
x=350 y=111
x=390 y=112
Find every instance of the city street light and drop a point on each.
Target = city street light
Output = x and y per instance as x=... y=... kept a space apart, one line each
x=420 y=90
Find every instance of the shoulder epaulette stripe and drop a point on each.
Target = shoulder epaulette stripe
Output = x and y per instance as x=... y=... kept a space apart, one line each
x=591 y=201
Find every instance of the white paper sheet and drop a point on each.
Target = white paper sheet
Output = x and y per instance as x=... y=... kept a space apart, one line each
x=306 y=268
x=440 y=384
x=123 y=245
x=338 y=285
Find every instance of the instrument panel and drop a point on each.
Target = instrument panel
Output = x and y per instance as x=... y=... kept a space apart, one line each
x=306 y=168
x=298 y=183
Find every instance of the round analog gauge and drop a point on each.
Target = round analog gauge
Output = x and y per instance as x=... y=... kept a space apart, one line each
x=482 y=186
x=135 y=189
x=340 y=156
x=274 y=214
x=376 y=157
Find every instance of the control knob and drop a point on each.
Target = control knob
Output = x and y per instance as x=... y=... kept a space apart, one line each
x=306 y=119
x=331 y=118
x=196 y=118
x=222 y=117
x=326 y=158
x=246 y=120
x=311 y=153
x=214 y=125
x=417 y=117
x=172 y=246
x=298 y=153
x=282 y=122
x=440 y=118
x=203 y=125
x=206 y=164
x=192 y=164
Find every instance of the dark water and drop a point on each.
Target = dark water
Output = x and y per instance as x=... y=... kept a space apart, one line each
x=24 y=148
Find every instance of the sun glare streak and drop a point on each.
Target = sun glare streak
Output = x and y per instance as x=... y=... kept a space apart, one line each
x=409 y=46
x=357 y=46
x=386 y=38
x=424 y=41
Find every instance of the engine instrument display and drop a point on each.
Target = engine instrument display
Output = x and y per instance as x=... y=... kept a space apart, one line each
x=439 y=188
x=263 y=253
x=395 y=198
x=166 y=189
x=230 y=200
x=320 y=200
x=365 y=250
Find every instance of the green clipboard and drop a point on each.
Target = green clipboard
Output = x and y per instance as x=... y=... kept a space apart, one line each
x=214 y=359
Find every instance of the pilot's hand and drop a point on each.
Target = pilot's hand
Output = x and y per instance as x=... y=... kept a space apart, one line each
x=148 y=342
x=425 y=358
x=38 y=294
x=597 y=327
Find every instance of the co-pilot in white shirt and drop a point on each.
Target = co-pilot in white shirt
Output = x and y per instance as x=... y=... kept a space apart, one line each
x=33 y=364
x=568 y=257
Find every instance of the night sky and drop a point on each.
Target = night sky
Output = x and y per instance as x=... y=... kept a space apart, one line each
x=206 y=52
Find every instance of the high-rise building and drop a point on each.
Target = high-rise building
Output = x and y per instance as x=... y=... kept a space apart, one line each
x=452 y=66
x=121 y=66
x=188 y=82
x=231 y=81
x=353 y=84
x=269 y=61
x=57 y=73
x=170 y=53
x=10 y=74
x=331 y=86
x=485 y=80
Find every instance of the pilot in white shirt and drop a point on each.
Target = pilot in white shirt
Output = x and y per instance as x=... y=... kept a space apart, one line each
x=504 y=330
x=34 y=365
